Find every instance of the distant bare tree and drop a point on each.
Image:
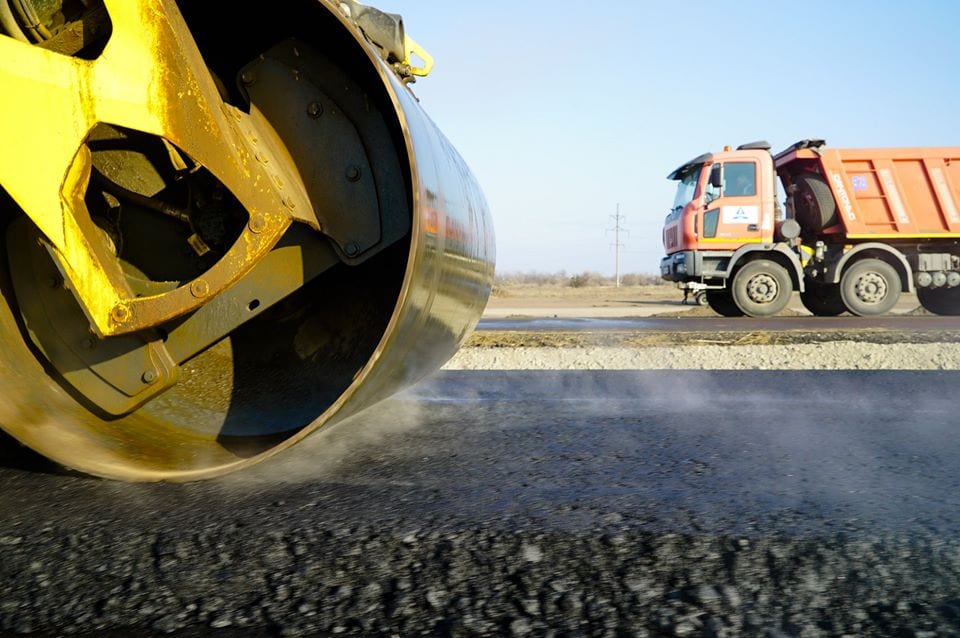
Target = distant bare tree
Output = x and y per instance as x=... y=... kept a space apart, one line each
x=639 y=279
x=578 y=280
x=589 y=278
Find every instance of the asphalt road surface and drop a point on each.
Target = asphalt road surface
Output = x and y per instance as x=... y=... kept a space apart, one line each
x=529 y=503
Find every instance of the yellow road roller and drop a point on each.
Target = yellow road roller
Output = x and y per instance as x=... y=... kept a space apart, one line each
x=225 y=227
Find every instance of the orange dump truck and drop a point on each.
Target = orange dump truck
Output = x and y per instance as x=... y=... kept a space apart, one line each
x=860 y=227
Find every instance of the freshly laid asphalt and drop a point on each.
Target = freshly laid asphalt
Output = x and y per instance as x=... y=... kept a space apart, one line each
x=528 y=503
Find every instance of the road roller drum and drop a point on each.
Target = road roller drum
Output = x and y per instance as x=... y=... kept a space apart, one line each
x=223 y=229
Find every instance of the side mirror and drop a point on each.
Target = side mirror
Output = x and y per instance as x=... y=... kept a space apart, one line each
x=716 y=179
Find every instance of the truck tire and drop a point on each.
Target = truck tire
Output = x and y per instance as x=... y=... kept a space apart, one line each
x=870 y=287
x=761 y=288
x=813 y=203
x=701 y=298
x=823 y=300
x=940 y=301
x=722 y=303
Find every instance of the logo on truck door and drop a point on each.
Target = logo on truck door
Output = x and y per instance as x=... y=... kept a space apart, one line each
x=740 y=214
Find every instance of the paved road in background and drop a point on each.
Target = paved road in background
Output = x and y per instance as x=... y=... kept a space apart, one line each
x=925 y=324
x=481 y=503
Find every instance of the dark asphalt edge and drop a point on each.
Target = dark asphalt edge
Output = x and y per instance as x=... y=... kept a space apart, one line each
x=443 y=580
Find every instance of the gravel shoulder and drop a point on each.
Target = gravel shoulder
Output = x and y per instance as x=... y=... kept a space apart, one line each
x=840 y=355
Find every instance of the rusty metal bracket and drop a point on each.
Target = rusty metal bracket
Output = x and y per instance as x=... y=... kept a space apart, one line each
x=298 y=258
x=341 y=147
x=325 y=146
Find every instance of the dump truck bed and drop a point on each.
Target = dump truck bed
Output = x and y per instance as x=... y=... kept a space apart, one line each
x=887 y=193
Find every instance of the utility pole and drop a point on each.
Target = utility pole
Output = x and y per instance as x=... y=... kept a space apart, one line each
x=617 y=244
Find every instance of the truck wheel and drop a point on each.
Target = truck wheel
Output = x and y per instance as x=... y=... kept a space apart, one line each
x=813 y=203
x=761 y=288
x=702 y=298
x=823 y=300
x=870 y=287
x=722 y=303
x=940 y=301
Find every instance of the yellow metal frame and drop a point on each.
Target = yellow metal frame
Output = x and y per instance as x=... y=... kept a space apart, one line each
x=731 y=240
x=413 y=49
x=150 y=78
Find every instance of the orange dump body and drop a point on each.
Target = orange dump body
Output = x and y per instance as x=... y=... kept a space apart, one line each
x=904 y=193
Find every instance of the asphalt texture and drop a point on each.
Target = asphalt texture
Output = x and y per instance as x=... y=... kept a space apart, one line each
x=528 y=504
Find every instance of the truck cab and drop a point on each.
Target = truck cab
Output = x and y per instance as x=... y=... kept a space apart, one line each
x=725 y=214
x=724 y=201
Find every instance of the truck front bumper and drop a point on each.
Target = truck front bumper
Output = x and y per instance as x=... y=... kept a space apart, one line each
x=678 y=266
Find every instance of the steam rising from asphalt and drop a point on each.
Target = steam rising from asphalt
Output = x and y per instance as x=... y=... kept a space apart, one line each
x=687 y=450
x=332 y=449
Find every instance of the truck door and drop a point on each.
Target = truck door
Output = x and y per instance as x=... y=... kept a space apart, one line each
x=732 y=214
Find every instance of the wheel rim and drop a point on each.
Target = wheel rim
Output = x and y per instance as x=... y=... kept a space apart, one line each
x=762 y=288
x=871 y=288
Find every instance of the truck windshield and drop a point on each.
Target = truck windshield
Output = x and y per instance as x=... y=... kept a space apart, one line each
x=687 y=188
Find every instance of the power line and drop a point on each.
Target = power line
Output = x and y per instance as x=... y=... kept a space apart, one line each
x=617 y=244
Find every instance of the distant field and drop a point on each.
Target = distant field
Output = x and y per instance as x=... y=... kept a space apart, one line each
x=558 y=300
x=587 y=301
x=610 y=292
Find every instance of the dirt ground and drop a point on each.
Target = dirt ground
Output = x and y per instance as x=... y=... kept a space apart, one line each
x=527 y=300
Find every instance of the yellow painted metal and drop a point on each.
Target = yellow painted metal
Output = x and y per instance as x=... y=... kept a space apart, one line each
x=413 y=49
x=731 y=240
x=149 y=78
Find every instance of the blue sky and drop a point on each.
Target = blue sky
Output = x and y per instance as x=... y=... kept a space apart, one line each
x=565 y=109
